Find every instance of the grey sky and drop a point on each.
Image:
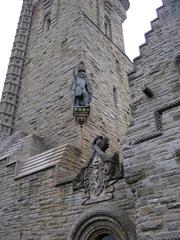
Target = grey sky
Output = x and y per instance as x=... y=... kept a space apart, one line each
x=139 y=15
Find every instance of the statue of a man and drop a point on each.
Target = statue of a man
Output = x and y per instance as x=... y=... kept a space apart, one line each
x=81 y=88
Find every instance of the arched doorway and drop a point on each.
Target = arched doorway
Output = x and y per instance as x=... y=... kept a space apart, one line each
x=103 y=223
x=105 y=237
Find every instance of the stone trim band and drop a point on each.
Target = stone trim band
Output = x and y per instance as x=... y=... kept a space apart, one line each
x=158 y=121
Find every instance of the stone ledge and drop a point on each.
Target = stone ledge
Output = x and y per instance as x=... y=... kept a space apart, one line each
x=67 y=180
x=23 y=148
x=64 y=158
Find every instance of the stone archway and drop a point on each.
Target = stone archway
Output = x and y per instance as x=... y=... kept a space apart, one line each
x=101 y=223
x=105 y=237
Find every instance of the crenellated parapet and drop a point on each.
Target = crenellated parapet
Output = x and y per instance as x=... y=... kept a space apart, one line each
x=13 y=77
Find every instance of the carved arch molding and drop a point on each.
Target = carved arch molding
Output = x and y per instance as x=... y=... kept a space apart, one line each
x=103 y=220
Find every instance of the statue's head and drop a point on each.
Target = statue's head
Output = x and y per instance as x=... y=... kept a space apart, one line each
x=81 y=74
x=105 y=144
x=101 y=142
x=81 y=67
x=97 y=141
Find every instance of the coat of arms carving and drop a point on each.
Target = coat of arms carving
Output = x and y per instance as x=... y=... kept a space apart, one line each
x=100 y=173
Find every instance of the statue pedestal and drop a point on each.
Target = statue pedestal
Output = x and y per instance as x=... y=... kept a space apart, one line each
x=81 y=113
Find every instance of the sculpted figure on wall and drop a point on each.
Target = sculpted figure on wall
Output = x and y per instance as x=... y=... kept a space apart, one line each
x=81 y=88
x=99 y=174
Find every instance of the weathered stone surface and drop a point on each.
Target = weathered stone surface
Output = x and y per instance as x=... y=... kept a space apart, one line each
x=47 y=77
x=151 y=163
x=149 y=226
x=39 y=203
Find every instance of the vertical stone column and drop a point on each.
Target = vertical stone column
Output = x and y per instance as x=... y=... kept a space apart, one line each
x=10 y=93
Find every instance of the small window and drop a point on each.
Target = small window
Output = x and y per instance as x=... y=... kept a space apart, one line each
x=10 y=98
x=47 y=22
x=177 y=62
x=107 y=26
x=115 y=96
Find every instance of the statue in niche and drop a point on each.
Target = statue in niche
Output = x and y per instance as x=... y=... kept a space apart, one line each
x=99 y=174
x=81 y=88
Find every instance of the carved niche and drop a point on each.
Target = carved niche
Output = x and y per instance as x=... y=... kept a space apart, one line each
x=99 y=174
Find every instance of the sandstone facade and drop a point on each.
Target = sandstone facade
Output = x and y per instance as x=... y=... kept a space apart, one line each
x=40 y=161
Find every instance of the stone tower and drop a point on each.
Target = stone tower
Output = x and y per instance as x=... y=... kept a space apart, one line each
x=10 y=94
x=58 y=36
x=53 y=186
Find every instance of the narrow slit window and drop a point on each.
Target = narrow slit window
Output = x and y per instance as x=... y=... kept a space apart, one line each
x=177 y=62
x=108 y=28
x=115 y=96
x=47 y=23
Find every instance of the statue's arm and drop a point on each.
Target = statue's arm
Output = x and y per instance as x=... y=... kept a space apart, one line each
x=88 y=86
x=99 y=151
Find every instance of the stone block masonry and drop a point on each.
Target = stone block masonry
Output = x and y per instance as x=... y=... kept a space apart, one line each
x=12 y=84
x=151 y=151
x=45 y=101
x=33 y=208
x=40 y=202
x=37 y=196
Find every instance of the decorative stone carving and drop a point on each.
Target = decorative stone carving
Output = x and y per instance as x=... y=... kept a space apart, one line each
x=100 y=173
x=158 y=122
x=81 y=114
x=82 y=93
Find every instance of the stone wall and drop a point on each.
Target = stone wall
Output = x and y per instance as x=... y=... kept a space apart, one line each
x=39 y=203
x=108 y=67
x=46 y=103
x=152 y=149
x=97 y=11
x=37 y=198
x=33 y=208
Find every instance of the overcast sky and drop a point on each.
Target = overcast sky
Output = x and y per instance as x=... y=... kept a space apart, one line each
x=138 y=20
